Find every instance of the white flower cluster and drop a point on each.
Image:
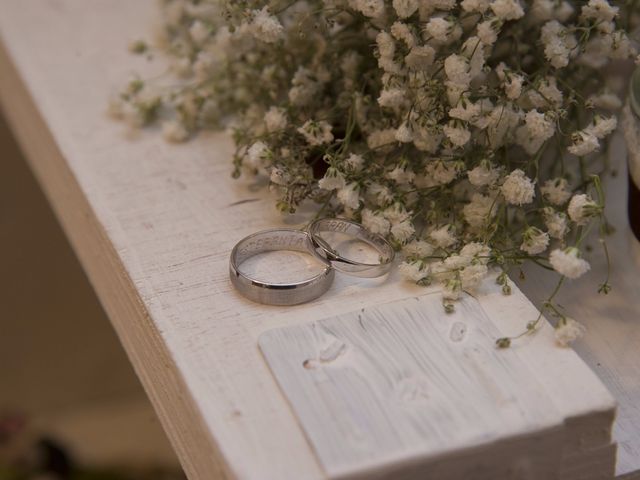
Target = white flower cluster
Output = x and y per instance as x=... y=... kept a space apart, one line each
x=450 y=127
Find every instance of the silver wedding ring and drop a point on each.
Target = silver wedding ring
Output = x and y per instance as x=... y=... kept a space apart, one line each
x=278 y=293
x=310 y=242
x=355 y=230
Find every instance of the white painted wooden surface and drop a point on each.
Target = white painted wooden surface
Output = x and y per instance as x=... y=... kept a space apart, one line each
x=404 y=383
x=153 y=225
x=612 y=345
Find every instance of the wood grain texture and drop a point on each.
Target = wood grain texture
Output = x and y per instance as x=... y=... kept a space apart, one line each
x=118 y=295
x=406 y=383
x=153 y=225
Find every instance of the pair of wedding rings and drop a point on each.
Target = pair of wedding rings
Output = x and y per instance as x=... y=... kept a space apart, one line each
x=307 y=241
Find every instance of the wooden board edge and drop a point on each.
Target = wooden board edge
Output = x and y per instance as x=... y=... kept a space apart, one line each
x=181 y=419
x=581 y=435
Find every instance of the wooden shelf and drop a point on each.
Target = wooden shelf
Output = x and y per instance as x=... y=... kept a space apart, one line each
x=153 y=225
x=61 y=364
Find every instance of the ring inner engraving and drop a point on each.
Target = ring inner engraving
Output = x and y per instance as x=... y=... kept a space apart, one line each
x=278 y=258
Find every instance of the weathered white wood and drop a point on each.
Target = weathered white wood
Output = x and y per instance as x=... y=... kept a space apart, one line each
x=406 y=382
x=591 y=464
x=153 y=225
x=612 y=344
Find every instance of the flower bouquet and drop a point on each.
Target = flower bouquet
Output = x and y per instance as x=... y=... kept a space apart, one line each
x=470 y=133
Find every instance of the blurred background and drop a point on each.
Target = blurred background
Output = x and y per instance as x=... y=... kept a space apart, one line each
x=70 y=404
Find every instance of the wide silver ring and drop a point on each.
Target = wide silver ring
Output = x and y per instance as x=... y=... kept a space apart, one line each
x=279 y=293
x=353 y=229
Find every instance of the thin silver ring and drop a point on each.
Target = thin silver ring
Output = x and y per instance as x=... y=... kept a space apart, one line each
x=279 y=293
x=353 y=229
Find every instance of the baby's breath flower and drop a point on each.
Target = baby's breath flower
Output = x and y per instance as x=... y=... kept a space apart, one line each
x=413 y=271
x=396 y=213
x=439 y=29
x=453 y=263
x=354 y=162
x=545 y=94
x=487 y=32
x=517 y=188
x=511 y=82
x=429 y=6
x=534 y=241
x=257 y=154
x=279 y=176
x=542 y=10
x=584 y=143
x=375 y=222
x=568 y=262
x=199 y=32
x=275 y=119
x=472 y=275
x=332 y=180
x=457 y=134
x=483 y=174
x=556 y=223
x=381 y=194
x=317 y=133
x=420 y=57
x=443 y=237
x=479 y=211
x=606 y=101
x=599 y=11
x=479 y=6
x=582 y=208
x=536 y=130
x=466 y=111
x=349 y=196
x=386 y=50
x=441 y=173
x=602 y=127
x=404 y=133
x=556 y=191
x=265 y=26
x=401 y=31
x=452 y=289
x=405 y=8
x=303 y=88
x=401 y=175
x=204 y=65
x=558 y=42
x=457 y=69
x=568 y=331
x=392 y=98
x=369 y=8
x=476 y=252
x=507 y=9
x=402 y=231
x=563 y=11
x=381 y=138
x=174 y=131
x=539 y=125
x=417 y=249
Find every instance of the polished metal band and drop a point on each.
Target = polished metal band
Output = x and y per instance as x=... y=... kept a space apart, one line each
x=353 y=229
x=279 y=293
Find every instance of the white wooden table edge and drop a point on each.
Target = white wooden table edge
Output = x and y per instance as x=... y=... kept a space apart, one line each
x=197 y=450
